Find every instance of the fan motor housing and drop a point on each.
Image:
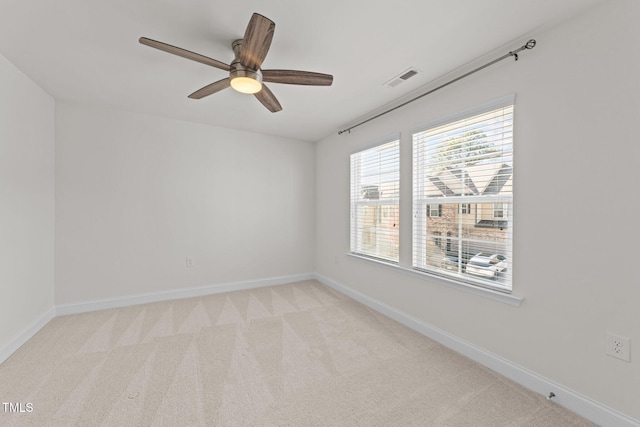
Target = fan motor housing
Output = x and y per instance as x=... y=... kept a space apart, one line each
x=239 y=70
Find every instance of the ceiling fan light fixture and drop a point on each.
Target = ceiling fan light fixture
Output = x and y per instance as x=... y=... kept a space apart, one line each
x=245 y=80
x=245 y=72
x=246 y=85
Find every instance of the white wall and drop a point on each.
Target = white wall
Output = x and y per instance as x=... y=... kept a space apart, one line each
x=576 y=158
x=26 y=205
x=136 y=195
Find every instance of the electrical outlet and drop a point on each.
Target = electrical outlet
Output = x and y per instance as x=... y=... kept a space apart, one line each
x=190 y=262
x=618 y=347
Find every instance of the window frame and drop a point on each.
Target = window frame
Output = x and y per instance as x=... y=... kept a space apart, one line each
x=462 y=202
x=381 y=204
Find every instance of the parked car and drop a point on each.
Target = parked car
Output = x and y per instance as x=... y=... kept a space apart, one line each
x=490 y=266
x=451 y=263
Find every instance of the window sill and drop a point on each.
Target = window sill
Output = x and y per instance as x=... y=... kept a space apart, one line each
x=476 y=290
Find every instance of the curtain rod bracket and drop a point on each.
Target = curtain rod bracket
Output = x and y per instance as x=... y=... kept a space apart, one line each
x=529 y=45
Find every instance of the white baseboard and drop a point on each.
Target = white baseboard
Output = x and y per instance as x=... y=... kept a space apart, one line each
x=86 y=306
x=574 y=401
x=26 y=334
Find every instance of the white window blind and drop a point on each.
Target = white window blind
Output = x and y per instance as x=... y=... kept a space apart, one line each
x=466 y=167
x=375 y=191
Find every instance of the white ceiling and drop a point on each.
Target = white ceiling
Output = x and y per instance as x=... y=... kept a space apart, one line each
x=87 y=51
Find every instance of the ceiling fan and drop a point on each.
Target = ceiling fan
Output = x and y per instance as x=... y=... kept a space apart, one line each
x=245 y=74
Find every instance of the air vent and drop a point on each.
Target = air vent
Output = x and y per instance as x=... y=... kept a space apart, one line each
x=408 y=74
x=402 y=77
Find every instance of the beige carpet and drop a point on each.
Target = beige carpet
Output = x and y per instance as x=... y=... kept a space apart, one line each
x=291 y=355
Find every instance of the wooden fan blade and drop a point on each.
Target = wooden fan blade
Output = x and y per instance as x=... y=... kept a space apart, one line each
x=293 y=77
x=184 y=53
x=256 y=41
x=268 y=99
x=211 y=89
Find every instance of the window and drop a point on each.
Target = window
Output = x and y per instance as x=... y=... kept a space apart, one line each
x=375 y=191
x=435 y=210
x=465 y=166
x=436 y=238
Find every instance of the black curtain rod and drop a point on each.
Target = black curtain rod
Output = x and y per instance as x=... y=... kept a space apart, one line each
x=529 y=45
